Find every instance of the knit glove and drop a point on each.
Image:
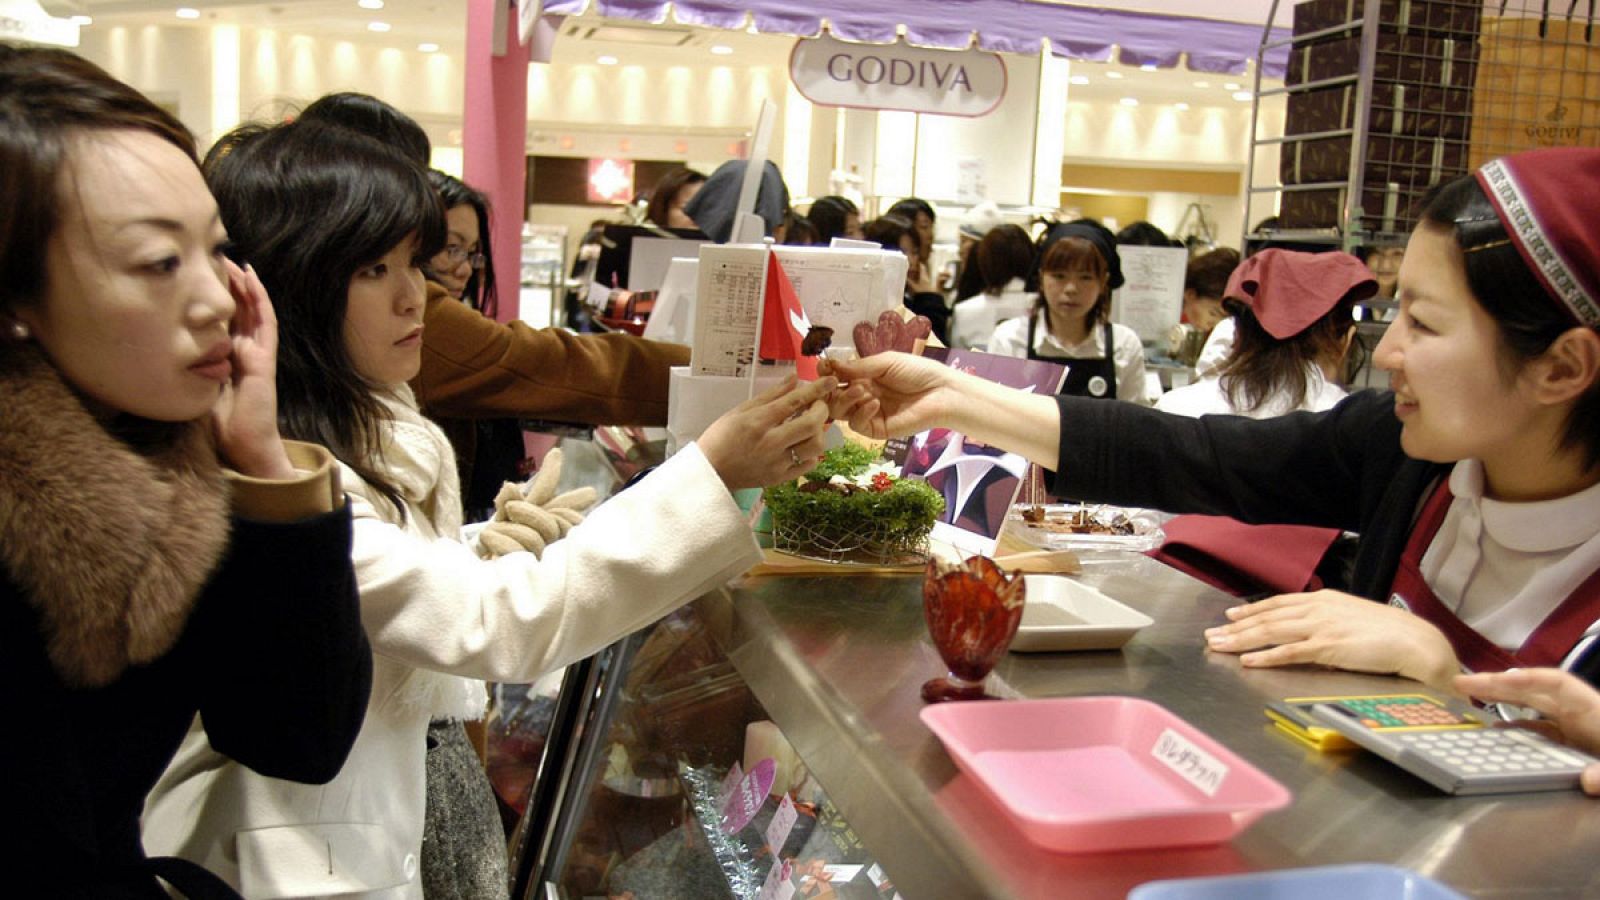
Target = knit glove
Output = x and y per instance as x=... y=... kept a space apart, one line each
x=531 y=516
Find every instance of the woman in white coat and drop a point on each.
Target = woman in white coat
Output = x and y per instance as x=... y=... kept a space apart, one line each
x=341 y=224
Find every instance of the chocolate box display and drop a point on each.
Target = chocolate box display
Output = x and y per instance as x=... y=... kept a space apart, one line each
x=1387 y=208
x=1408 y=58
x=1448 y=18
x=1408 y=161
x=1396 y=109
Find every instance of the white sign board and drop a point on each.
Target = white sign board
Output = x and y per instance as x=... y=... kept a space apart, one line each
x=832 y=72
x=1150 y=300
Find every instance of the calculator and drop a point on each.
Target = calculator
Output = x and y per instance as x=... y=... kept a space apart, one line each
x=1449 y=747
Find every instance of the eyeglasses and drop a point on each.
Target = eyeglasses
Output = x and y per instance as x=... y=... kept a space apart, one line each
x=459 y=255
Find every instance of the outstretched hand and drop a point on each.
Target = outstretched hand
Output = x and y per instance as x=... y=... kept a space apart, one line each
x=773 y=437
x=1336 y=629
x=245 y=417
x=892 y=394
x=1570 y=706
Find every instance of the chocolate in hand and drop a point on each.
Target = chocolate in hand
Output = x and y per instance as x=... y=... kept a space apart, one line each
x=816 y=340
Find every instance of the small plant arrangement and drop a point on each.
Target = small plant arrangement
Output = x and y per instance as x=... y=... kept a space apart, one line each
x=854 y=507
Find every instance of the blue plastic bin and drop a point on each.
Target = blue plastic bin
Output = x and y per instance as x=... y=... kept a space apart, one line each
x=1353 y=882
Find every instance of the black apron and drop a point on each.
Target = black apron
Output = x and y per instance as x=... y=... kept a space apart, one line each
x=1095 y=378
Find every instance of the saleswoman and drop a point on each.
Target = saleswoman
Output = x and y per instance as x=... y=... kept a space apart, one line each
x=1071 y=324
x=1472 y=483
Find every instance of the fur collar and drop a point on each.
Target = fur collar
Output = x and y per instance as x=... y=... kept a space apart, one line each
x=110 y=543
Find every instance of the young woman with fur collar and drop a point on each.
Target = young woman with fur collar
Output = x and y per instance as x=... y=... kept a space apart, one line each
x=141 y=581
x=339 y=225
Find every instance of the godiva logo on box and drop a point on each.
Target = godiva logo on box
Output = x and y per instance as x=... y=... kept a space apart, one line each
x=1555 y=132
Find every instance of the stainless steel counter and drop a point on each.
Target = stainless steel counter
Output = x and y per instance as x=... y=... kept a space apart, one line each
x=838 y=663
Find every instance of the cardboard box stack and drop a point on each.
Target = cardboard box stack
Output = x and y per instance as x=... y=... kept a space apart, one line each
x=1418 y=114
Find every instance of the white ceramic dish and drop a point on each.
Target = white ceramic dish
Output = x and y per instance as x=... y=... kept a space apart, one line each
x=1146 y=525
x=1062 y=614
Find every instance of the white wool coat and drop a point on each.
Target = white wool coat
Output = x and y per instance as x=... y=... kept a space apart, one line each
x=438 y=617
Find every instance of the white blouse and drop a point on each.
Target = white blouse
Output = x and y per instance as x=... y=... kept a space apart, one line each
x=1010 y=338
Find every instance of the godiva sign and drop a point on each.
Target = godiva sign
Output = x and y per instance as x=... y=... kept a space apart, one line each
x=832 y=72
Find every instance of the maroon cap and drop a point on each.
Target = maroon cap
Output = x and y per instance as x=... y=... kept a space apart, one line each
x=1289 y=290
x=1546 y=199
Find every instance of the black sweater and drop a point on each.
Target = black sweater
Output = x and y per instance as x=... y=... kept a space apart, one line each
x=1342 y=468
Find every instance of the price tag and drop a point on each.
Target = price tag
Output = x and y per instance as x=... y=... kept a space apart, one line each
x=877 y=877
x=728 y=783
x=777 y=886
x=1196 y=766
x=749 y=793
x=780 y=826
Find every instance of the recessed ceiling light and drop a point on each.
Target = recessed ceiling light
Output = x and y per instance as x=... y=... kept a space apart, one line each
x=379 y=27
x=1180 y=106
x=721 y=49
x=607 y=60
x=1078 y=79
x=428 y=47
x=370 y=4
x=1147 y=67
x=187 y=12
x=1130 y=101
x=1202 y=84
x=1231 y=86
x=1242 y=96
x=1113 y=74
x=82 y=21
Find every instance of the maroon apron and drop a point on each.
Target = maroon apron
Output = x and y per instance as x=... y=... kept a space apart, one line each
x=1549 y=643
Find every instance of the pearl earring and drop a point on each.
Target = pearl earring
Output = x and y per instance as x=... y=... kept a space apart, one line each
x=20 y=331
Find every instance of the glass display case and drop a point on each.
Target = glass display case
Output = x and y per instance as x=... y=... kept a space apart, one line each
x=680 y=786
x=543 y=274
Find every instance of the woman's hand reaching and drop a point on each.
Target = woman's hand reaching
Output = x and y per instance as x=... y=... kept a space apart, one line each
x=245 y=417
x=1331 y=628
x=892 y=394
x=1570 y=706
x=771 y=438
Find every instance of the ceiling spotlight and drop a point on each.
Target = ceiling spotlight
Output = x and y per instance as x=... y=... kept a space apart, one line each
x=82 y=21
x=370 y=4
x=187 y=12
x=1180 y=106
x=428 y=47
x=1202 y=84
x=607 y=60
x=1113 y=74
x=1147 y=67
x=721 y=49
x=1078 y=79
x=1231 y=86
x=379 y=27
x=1130 y=101
x=1242 y=96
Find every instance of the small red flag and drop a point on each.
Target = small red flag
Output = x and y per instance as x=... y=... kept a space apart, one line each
x=783 y=322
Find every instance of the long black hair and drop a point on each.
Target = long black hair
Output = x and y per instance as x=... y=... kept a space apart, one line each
x=1528 y=317
x=1261 y=366
x=309 y=204
x=480 y=291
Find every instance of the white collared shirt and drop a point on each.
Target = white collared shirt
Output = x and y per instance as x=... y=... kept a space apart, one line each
x=1206 y=397
x=1010 y=338
x=1504 y=567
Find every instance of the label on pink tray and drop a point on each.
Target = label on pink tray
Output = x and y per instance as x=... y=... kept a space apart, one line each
x=1196 y=766
x=748 y=795
x=780 y=826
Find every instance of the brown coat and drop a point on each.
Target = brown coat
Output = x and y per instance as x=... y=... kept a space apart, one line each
x=476 y=368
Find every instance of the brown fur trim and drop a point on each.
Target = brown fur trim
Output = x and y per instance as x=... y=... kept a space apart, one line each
x=110 y=542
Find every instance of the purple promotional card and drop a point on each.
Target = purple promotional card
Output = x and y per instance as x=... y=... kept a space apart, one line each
x=978 y=482
x=748 y=795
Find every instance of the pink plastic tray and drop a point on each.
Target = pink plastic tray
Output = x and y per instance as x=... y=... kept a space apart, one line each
x=1085 y=774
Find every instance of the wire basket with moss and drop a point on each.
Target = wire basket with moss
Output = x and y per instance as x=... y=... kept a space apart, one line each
x=854 y=507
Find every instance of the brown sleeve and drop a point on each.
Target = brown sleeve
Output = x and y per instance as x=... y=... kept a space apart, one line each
x=476 y=368
x=314 y=490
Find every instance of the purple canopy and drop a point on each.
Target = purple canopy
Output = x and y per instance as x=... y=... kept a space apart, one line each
x=1010 y=26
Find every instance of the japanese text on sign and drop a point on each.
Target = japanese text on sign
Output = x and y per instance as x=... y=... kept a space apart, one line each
x=1197 y=767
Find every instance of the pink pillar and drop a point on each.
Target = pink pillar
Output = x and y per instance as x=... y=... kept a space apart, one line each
x=494 y=139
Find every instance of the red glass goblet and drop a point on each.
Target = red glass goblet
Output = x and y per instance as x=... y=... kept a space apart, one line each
x=973 y=610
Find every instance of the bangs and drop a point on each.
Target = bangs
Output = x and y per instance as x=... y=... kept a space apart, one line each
x=1071 y=254
x=389 y=204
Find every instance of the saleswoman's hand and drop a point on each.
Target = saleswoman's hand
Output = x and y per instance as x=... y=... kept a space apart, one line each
x=1570 y=706
x=771 y=438
x=892 y=394
x=1335 y=629
x=245 y=417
